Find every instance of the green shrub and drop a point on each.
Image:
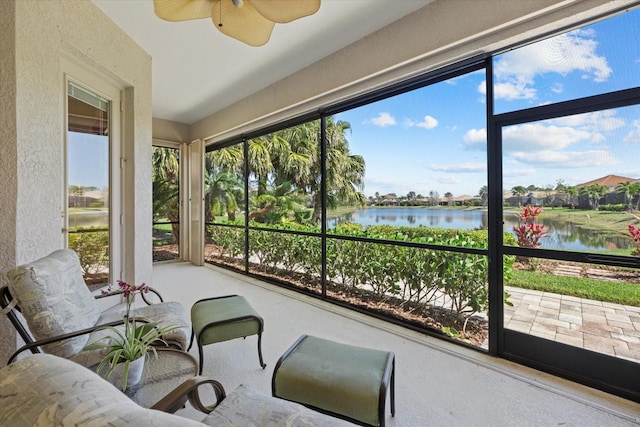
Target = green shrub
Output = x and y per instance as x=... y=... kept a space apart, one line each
x=92 y=248
x=620 y=207
x=417 y=275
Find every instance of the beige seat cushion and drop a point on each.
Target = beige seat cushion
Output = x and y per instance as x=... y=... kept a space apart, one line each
x=46 y=390
x=55 y=300
x=246 y=407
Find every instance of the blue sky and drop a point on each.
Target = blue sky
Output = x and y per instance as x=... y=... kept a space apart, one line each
x=88 y=160
x=434 y=138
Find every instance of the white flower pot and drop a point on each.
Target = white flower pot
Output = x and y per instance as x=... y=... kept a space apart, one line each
x=133 y=376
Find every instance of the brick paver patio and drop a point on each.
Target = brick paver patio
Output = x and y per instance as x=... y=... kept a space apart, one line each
x=604 y=327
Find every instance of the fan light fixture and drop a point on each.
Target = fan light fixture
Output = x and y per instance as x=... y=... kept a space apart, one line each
x=250 y=21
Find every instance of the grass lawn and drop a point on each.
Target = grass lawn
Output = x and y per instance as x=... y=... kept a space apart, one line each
x=598 y=290
x=589 y=219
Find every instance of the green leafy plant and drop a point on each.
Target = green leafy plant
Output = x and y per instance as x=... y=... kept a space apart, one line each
x=128 y=345
x=92 y=248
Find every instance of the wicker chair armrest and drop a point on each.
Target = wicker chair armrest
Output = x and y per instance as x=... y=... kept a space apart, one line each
x=188 y=390
x=35 y=344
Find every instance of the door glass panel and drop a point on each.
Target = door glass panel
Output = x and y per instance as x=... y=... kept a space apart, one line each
x=572 y=183
x=166 y=203
x=88 y=147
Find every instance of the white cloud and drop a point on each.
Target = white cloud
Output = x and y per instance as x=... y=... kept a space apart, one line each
x=575 y=51
x=448 y=180
x=511 y=173
x=427 y=122
x=567 y=159
x=633 y=137
x=459 y=168
x=597 y=122
x=514 y=90
x=383 y=120
x=536 y=137
x=475 y=136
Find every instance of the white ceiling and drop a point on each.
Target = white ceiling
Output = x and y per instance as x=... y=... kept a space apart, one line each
x=197 y=70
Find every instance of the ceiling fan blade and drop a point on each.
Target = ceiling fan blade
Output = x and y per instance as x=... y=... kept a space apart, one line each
x=283 y=11
x=242 y=23
x=182 y=10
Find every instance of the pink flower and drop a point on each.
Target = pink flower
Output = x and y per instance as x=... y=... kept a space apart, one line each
x=129 y=291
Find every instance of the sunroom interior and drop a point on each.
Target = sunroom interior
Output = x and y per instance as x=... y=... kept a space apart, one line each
x=463 y=297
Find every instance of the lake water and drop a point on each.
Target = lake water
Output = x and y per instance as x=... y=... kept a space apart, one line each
x=89 y=219
x=562 y=236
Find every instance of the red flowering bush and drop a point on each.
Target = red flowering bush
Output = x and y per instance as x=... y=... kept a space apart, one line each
x=634 y=233
x=529 y=233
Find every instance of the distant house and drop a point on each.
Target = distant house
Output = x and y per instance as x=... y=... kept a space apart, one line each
x=390 y=199
x=612 y=197
x=463 y=200
x=610 y=181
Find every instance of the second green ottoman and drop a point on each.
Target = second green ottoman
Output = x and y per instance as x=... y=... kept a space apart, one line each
x=224 y=318
x=339 y=379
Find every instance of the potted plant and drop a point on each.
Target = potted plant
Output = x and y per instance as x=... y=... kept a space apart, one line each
x=128 y=346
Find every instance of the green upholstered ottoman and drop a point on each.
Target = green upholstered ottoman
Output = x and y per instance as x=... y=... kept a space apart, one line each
x=224 y=318
x=338 y=379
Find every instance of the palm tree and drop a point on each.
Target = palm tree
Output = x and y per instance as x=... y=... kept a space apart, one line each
x=572 y=193
x=449 y=197
x=627 y=189
x=261 y=151
x=221 y=191
x=228 y=158
x=483 y=193
x=433 y=197
x=345 y=171
x=635 y=191
x=519 y=191
x=166 y=189
x=280 y=205
x=292 y=156
x=594 y=193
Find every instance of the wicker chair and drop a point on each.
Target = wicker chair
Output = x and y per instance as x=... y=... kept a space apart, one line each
x=62 y=316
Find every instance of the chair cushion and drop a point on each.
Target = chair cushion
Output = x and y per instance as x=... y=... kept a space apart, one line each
x=47 y=390
x=169 y=313
x=165 y=314
x=246 y=407
x=54 y=299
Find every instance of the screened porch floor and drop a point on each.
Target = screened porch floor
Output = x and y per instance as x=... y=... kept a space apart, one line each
x=437 y=383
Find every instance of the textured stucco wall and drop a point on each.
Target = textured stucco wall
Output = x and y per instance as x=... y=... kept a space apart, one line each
x=167 y=130
x=8 y=164
x=440 y=33
x=41 y=33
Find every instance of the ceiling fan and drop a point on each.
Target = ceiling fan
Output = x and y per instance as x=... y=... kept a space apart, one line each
x=250 y=21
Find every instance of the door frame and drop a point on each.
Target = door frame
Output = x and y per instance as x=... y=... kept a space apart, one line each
x=594 y=369
x=112 y=91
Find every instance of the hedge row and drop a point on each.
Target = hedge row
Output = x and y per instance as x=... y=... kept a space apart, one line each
x=457 y=281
